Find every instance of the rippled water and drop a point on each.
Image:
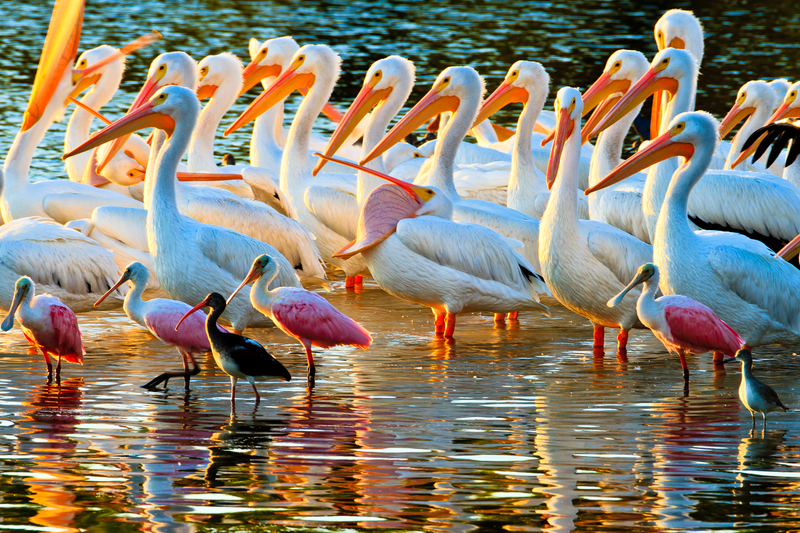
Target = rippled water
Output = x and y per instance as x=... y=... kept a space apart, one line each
x=521 y=428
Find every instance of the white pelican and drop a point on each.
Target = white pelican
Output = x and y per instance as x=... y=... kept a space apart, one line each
x=526 y=82
x=212 y=205
x=386 y=87
x=268 y=60
x=620 y=205
x=61 y=261
x=416 y=253
x=61 y=200
x=459 y=90
x=780 y=87
x=756 y=203
x=755 y=102
x=100 y=70
x=187 y=255
x=753 y=292
x=317 y=67
x=677 y=28
x=585 y=262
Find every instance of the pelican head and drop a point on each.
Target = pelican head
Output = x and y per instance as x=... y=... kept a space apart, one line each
x=789 y=108
x=524 y=78
x=680 y=29
x=645 y=273
x=106 y=61
x=161 y=112
x=23 y=290
x=388 y=78
x=666 y=71
x=693 y=135
x=456 y=89
x=569 y=109
x=124 y=170
x=753 y=95
x=268 y=60
x=263 y=266
x=93 y=64
x=217 y=71
x=311 y=66
x=780 y=87
x=172 y=68
x=135 y=272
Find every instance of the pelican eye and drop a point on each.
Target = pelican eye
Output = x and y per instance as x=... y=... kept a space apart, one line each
x=263 y=52
x=791 y=96
x=742 y=98
x=162 y=67
x=378 y=74
x=515 y=74
x=82 y=63
x=679 y=127
x=417 y=154
x=160 y=99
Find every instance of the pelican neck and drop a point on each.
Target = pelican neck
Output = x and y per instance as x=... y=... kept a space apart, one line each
x=524 y=175
x=265 y=151
x=564 y=195
x=449 y=141
x=201 y=148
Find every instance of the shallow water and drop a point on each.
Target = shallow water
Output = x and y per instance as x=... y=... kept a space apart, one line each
x=518 y=427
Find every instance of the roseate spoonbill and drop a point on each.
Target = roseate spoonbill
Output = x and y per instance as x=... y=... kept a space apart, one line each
x=680 y=323
x=48 y=324
x=301 y=314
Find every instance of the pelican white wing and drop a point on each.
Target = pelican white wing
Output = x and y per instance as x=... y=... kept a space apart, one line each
x=762 y=203
x=471 y=249
x=620 y=252
x=336 y=209
x=764 y=281
x=226 y=249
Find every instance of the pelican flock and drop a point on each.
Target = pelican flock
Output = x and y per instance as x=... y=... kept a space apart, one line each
x=523 y=220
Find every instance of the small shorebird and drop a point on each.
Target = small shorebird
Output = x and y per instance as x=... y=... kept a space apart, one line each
x=236 y=355
x=757 y=397
x=48 y=324
x=301 y=314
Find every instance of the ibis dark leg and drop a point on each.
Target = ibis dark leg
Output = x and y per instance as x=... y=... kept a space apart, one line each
x=233 y=390
x=186 y=374
x=253 y=384
x=58 y=371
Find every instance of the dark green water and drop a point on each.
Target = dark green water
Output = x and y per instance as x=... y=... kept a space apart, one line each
x=517 y=429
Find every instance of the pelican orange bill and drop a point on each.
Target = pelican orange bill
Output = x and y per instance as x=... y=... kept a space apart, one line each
x=143 y=117
x=431 y=105
x=365 y=101
x=658 y=150
x=734 y=116
x=647 y=85
x=603 y=87
x=286 y=84
x=504 y=95
x=58 y=53
x=563 y=130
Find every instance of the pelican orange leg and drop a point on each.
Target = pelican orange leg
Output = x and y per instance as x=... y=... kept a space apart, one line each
x=499 y=317
x=513 y=315
x=439 y=322
x=359 y=281
x=349 y=282
x=450 y=325
x=622 y=340
x=599 y=336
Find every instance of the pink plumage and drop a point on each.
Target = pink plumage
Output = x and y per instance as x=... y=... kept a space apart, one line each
x=695 y=328
x=162 y=318
x=308 y=316
x=56 y=332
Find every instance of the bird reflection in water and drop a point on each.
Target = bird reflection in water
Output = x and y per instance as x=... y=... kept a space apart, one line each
x=50 y=418
x=239 y=445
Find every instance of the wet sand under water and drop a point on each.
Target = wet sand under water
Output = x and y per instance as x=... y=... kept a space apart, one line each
x=520 y=428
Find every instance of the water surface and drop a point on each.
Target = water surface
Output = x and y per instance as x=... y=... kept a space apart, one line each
x=521 y=428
